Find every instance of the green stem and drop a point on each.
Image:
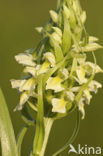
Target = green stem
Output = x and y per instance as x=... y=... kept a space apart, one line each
x=49 y=123
x=58 y=4
x=39 y=136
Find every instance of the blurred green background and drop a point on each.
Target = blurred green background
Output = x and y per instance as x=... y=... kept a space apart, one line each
x=18 y=18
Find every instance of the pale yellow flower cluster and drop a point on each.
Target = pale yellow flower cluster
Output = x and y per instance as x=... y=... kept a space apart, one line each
x=71 y=83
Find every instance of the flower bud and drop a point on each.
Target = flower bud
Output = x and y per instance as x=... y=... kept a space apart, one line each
x=56 y=37
x=39 y=29
x=91 y=47
x=54 y=16
x=93 y=39
x=83 y=17
x=66 y=11
x=58 y=31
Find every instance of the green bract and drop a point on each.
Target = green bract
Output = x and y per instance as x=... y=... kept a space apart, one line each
x=60 y=65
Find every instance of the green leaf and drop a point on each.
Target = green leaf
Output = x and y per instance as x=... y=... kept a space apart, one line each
x=20 y=138
x=66 y=36
x=7 y=137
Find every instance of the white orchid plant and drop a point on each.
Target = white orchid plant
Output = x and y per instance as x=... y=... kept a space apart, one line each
x=57 y=76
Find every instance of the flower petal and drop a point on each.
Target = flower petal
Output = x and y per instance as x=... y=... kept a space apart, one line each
x=70 y=95
x=29 y=85
x=94 y=86
x=30 y=70
x=81 y=107
x=91 y=67
x=81 y=75
x=23 y=99
x=39 y=29
x=56 y=37
x=51 y=58
x=25 y=59
x=75 y=89
x=54 y=16
x=54 y=83
x=59 y=105
x=83 y=17
x=81 y=60
x=92 y=39
x=17 y=83
x=91 y=47
x=87 y=95
x=43 y=68
x=58 y=31
x=63 y=73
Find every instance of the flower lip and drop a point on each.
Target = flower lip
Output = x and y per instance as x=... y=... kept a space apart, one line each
x=59 y=105
x=54 y=83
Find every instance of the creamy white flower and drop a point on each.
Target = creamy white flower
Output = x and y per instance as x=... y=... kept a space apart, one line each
x=91 y=67
x=54 y=16
x=23 y=99
x=70 y=95
x=43 y=68
x=92 y=39
x=51 y=58
x=39 y=29
x=66 y=11
x=87 y=95
x=30 y=84
x=58 y=31
x=80 y=75
x=17 y=83
x=56 y=37
x=83 y=17
x=54 y=83
x=59 y=105
x=76 y=7
x=81 y=60
x=75 y=89
x=81 y=107
x=91 y=47
x=94 y=86
x=63 y=73
x=25 y=59
x=30 y=70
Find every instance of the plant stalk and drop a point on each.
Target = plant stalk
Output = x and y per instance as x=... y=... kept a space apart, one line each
x=39 y=135
x=48 y=126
